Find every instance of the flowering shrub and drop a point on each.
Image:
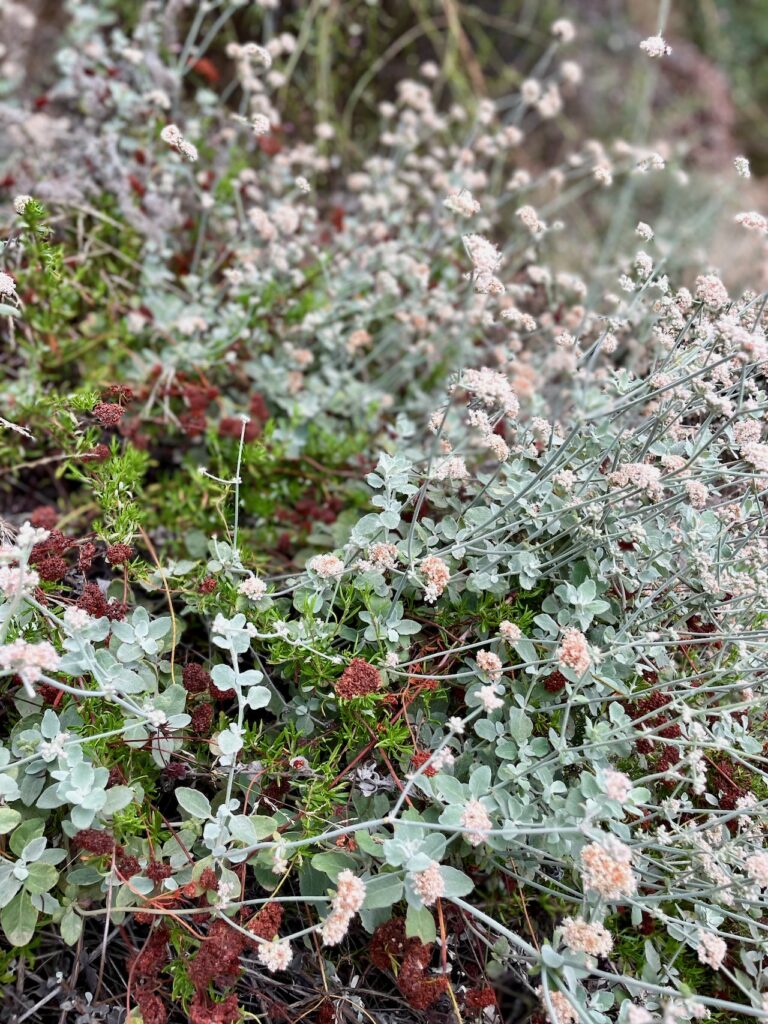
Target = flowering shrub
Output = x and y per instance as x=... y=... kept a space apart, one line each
x=396 y=601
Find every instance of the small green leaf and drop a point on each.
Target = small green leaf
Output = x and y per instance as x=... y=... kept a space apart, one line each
x=456 y=882
x=9 y=819
x=71 y=927
x=419 y=924
x=382 y=891
x=18 y=920
x=41 y=877
x=332 y=864
x=193 y=802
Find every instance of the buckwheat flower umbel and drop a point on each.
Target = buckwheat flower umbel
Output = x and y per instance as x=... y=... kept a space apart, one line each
x=488 y=698
x=711 y=950
x=742 y=167
x=383 y=555
x=490 y=663
x=757 y=869
x=463 y=203
x=155 y=717
x=7 y=284
x=571 y=72
x=583 y=937
x=752 y=221
x=252 y=588
x=335 y=927
x=442 y=759
x=639 y=474
x=530 y=219
x=350 y=892
x=644 y=230
x=20 y=203
x=16 y=580
x=574 y=651
x=486 y=260
x=530 y=91
x=655 y=46
x=697 y=493
x=456 y=725
x=437 y=574
x=429 y=884
x=756 y=455
x=76 y=619
x=451 y=468
x=617 y=785
x=475 y=822
x=327 y=566
x=563 y=30
x=260 y=124
x=276 y=955
x=565 y=1013
x=607 y=869
x=509 y=631
x=711 y=291
x=638 y=1015
x=349 y=898
x=29 y=661
x=492 y=388
x=171 y=135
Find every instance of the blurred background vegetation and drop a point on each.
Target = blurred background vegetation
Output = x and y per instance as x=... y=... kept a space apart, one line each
x=351 y=53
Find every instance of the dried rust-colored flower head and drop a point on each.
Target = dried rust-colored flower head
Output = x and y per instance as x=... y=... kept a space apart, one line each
x=94 y=840
x=108 y=414
x=195 y=678
x=266 y=924
x=45 y=517
x=202 y=719
x=118 y=554
x=358 y=679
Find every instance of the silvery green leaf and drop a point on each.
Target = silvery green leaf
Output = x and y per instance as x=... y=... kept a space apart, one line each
x=193 y=802
x=9 y=819
x=116 y=798
x=71 y=926
x=18 y=920
x=550 y=957
x=332 y=864
x=420 y=924
x=450 y=789
x=49 y=727
x=41 y=878
x=34 y=848
x=9 y=886
x=480 y=780
x=520 y=725
x=224 y=676
x=258 y=697
x=455 y=881
x=383 y=890
x=128 y=652
x=241 y=827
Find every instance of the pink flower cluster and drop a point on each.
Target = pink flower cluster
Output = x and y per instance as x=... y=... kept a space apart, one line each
x=607 y=869
x=475 y=821
x=429 y=884
x=29 y=661
x=350 y=894
x=437 y=575
x=583 y=937
x=711 y=950
x=574 y=651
